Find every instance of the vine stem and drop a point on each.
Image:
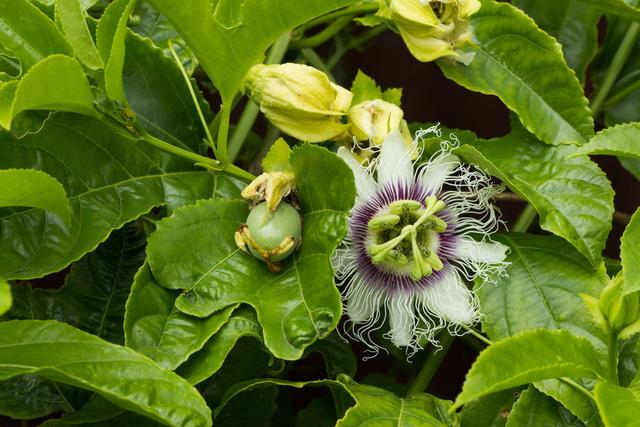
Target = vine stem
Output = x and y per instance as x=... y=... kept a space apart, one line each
x=615 y=67
x=357 y=9
x=526 y=218
x=251 y=110
x=431 y=366
x=317 y=39
x=354 y=43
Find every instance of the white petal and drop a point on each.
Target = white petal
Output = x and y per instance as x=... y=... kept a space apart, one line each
x=365 y=185
x=363 y=301
x=402 y=320
x=451 y=300
x=484 y=252
x=436 y=171
x=394 y=163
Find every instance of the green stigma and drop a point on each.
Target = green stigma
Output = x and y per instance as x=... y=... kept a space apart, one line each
x=403 y=237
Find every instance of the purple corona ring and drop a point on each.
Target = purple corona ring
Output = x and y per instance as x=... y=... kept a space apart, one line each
x=415 y=237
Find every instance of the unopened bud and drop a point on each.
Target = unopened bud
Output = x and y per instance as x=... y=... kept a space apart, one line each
x=271 y=187
x=300 y=100
x=373 y=120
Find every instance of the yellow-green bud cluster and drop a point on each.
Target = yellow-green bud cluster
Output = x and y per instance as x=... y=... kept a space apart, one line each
x=403 y=237
x=614 y=311
x=432 y=29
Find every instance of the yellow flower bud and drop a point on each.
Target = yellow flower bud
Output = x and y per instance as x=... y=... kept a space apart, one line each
x=432 y=29
x=300 y=100
x=373 y=120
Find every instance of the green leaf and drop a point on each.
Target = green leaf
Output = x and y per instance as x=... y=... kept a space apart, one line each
x=618 y=406
x=210 y=358
x=541 y=289
x=374 y=405
x=296 y=306
x=239 y=32
x=529 y=357
x=59 y=352
x=630 y=255
x=111 y=33
x=84 y=4
x=154 y=326
x=5 y=297
x=155 y=26
x=534 y=409
x=489 y=411
x=524 y=66
x=621 y=140
x=158 y=94
x=278 y=158
x=572 y=195
x=578 y=404
x=96 y=410
x=625 y=8
x=55 y=83
x=572 y=23
x=29 y=33
x=110 y=180
x=95 y=291
x=36 y=189
x=72 y=19
x=365 y=88
x=30 y=396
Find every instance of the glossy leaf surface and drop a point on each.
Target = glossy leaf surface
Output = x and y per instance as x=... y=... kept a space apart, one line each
x=572 y=195
x=619 y=406
x=524 y=66
x=621 y=140
x=534 y=409
x=630 y=254
x=29 y=33
x=72 y=19
x=109 y=179
x=529 y=357
x=238 y=31
x=157 y=329
x=62 y=353
x=32 y=188
x=55 y=83
x=195 y=251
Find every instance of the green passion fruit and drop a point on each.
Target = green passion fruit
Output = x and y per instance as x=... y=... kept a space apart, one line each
x=270 y=229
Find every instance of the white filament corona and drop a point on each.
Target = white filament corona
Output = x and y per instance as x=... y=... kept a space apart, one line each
x=376 y=294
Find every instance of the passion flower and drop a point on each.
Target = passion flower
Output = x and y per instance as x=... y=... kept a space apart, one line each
x=271 y=236
x=413 y=239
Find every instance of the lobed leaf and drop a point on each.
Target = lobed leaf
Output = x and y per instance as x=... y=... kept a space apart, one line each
x=572 y=195
x=62 y=353
x=524 y=66
x=529 y=357
x=195 y=251
x=36 y=189
x=154 y=326
x=55 y=83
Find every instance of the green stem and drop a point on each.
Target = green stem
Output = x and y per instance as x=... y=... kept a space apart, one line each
x=317 y=39
x=314 y=59
x=354 y=43
x=431 y=366
x=615 y=67
x=251 y=110
x=621 y=94
x=478 y=335
x=223 y=132
x=196 y=158
x=613 y=358
x=194 y=98
x=526 y=218
x=354 y=10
